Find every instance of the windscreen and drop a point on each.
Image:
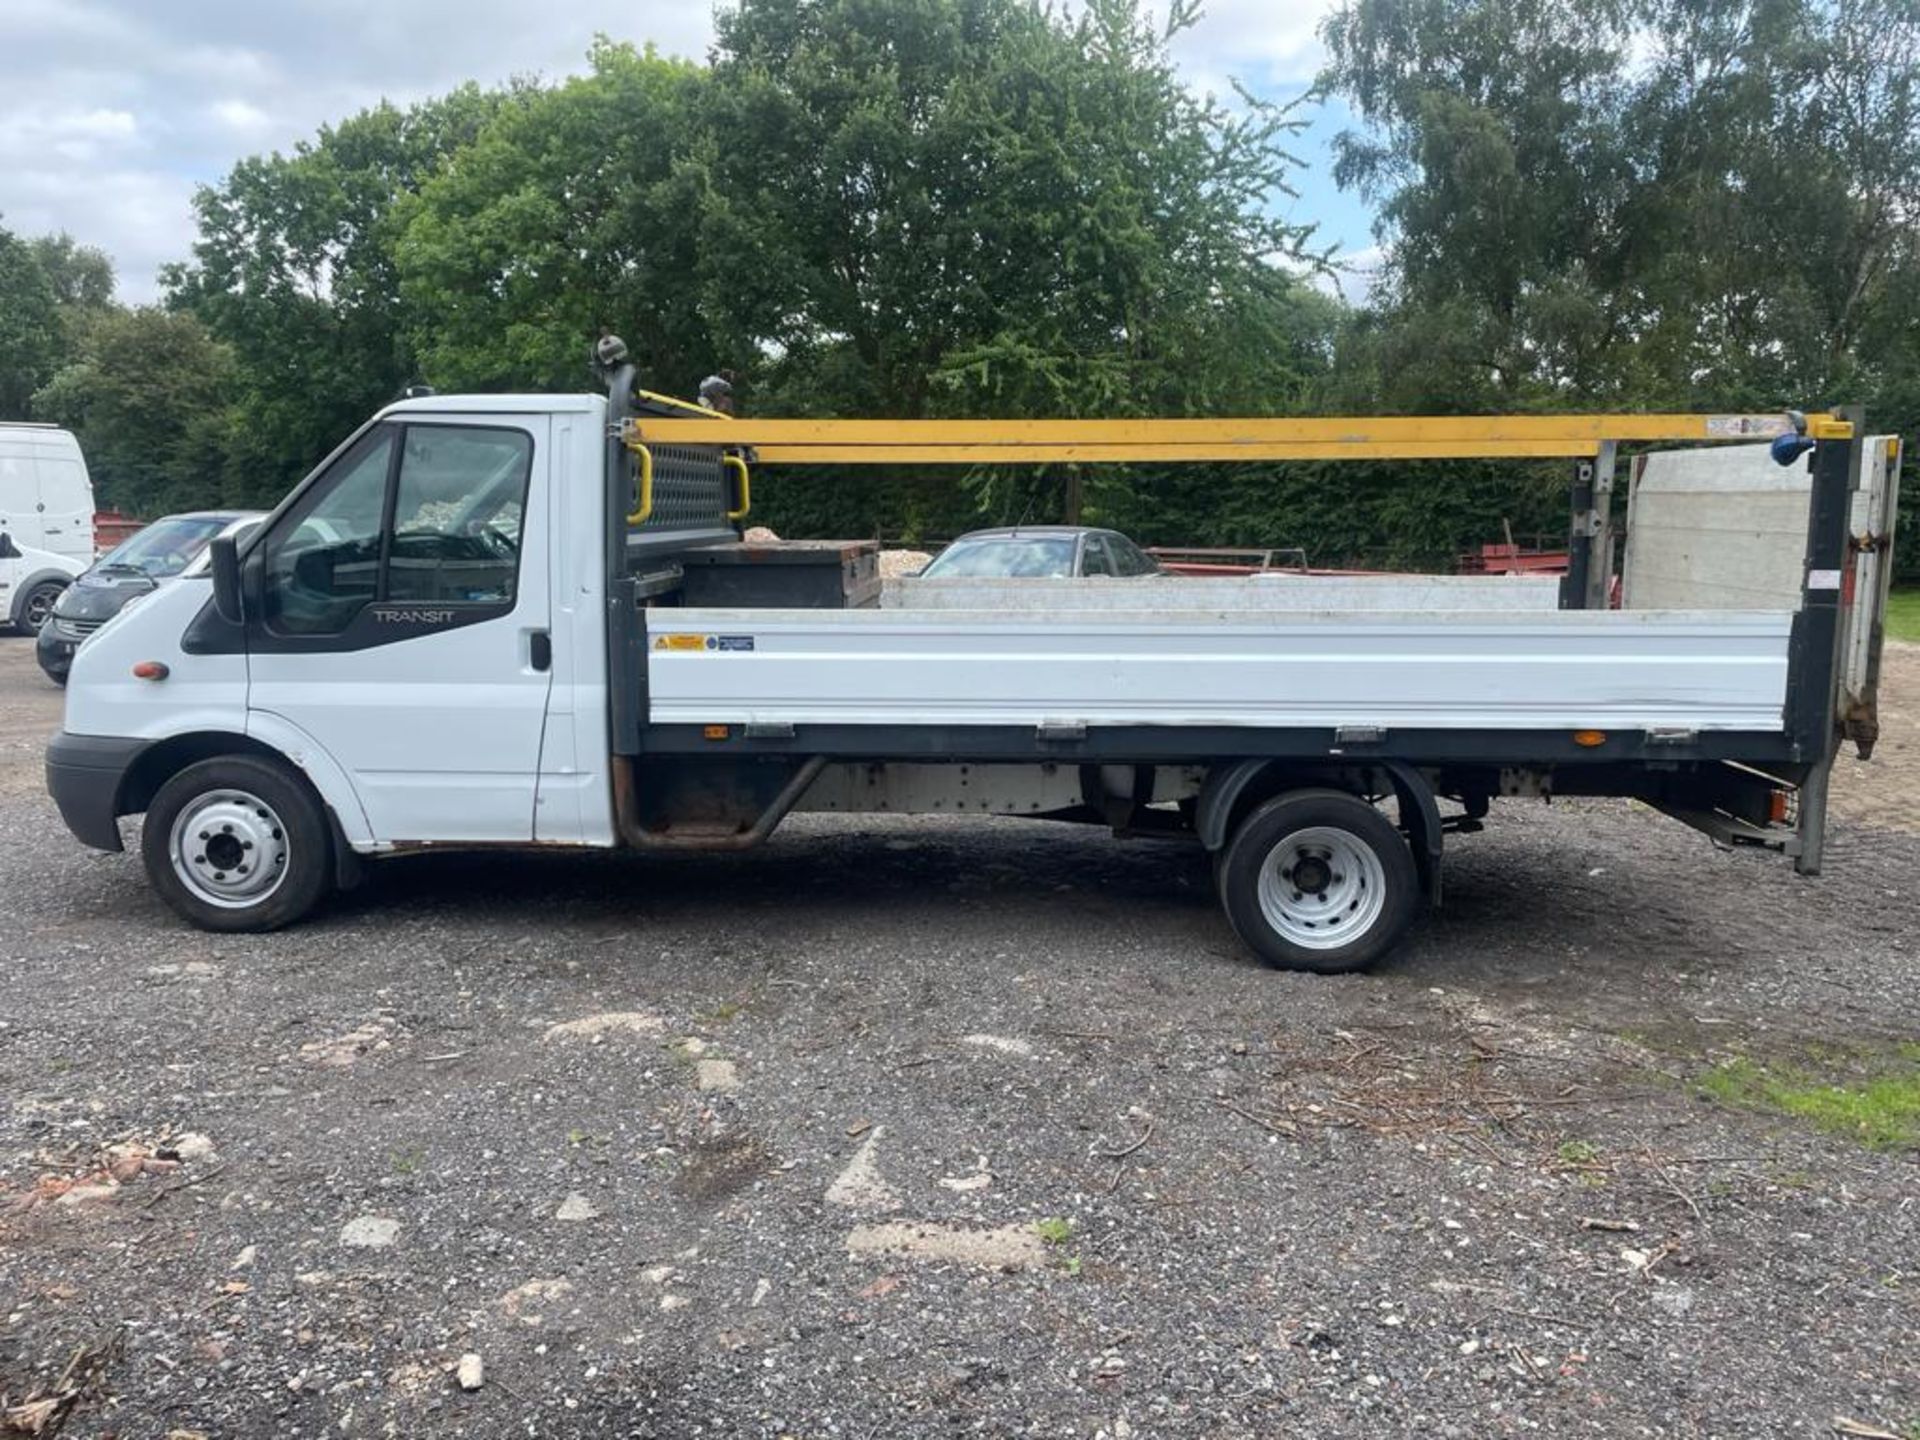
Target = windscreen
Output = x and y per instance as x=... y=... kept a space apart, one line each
x=164 y=548
x=1040 y=557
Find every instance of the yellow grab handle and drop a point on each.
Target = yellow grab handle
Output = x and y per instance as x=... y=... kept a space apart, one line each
x=644 y=504
x=734 y=462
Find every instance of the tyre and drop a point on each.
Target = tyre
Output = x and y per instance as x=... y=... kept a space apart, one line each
x=238 y=843
x=1318 y=880
x=36 y=606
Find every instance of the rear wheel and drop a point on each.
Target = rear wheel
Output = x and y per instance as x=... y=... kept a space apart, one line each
x=1318 y=880
x=237 y=843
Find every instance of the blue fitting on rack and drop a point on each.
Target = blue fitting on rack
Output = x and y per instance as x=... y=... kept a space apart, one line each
x=1786 y=449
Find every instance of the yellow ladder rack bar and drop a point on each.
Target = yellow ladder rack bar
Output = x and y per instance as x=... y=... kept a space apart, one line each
x=1406 y=437
x=1142 y=451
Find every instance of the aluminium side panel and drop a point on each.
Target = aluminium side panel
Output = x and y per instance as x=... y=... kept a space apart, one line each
x=1569 y=669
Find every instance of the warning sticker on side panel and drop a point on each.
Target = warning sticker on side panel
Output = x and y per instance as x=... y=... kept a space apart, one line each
x=703 y=642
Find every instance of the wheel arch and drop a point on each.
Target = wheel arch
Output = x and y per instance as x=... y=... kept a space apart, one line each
x=1233 y=791
x=16 y=614
x=164 y=759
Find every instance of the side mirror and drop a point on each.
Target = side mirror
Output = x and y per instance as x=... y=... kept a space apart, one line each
x=223 y=562
x=8 y=550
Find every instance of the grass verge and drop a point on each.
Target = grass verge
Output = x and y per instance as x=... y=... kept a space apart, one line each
x=1880 y=1109
x=1903 y=615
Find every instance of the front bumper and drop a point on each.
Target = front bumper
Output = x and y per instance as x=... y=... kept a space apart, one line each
x=84 y=777
x=54 y=650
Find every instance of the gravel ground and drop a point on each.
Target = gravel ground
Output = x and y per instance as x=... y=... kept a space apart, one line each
x=943 y=1127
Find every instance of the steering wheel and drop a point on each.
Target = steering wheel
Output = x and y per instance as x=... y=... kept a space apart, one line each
x=499 y=542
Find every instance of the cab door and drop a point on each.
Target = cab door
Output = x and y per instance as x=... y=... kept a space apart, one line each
x=397 y=616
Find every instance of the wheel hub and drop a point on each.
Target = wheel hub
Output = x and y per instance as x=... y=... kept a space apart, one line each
x=1322 y=887
x=1312 y=874
x=229 y=848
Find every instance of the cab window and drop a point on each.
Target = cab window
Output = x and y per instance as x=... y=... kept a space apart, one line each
x=411 y=513
x=323 y=558
x=456 y=515
x=1129 y=559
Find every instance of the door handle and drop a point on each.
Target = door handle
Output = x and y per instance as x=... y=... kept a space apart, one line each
x=540 y=650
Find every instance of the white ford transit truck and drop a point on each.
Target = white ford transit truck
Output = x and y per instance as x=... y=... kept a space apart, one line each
x=520 y=620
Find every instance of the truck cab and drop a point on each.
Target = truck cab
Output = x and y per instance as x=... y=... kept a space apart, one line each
x=406 y=590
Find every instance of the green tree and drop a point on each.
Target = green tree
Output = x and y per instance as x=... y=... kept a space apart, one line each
x=571 y=212
x=29 y=326
x=81 y=275
x=81 y=278
x=981 y=207
x=150 y=399
x=294 y=271
x=1676 y=204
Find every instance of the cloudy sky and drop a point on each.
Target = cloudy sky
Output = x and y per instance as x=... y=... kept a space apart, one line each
x=112 y=111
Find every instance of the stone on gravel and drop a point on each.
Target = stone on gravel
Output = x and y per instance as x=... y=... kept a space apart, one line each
x=84 y=1194
x=718 y=1076
x=195 y=969
x=1006 y=1247
x=610 y=1022
x=1676 y=1300
x=244 y=1260
x=1006 y=1045
x=517 y=1303
x=369 y=1232
x=472 y=1372
x=859 y=1186
x=192 y=1146
x=343 y=1050
x=577 y=1207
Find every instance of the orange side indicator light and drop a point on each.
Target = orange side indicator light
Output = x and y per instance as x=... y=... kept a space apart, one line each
x=1777 y=808
x=714 y=732
x=1589 y=739
x=150 y=670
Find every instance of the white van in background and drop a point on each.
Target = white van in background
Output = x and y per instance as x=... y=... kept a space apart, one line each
x=46 y=519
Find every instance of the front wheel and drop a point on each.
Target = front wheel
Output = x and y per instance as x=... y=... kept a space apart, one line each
x=237 y=843
x=1318 y=880
x=36 y=606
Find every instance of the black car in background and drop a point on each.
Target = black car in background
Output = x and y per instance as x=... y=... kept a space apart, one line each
x=164 y=551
